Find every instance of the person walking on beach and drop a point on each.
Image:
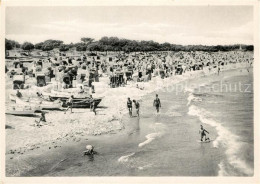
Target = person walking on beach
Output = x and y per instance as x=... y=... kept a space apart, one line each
x=157 y=103
x=129 y=106
x=92 y=105
x=203 y=132
x=42 y=118
x=137 y=107
x=70 y=104
x=19 y=94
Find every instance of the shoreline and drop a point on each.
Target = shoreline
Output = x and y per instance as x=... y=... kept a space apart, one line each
x=118 y=112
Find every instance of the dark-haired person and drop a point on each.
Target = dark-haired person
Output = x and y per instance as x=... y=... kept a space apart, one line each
x=129 y=106
x=203 y=132
x=42 y=118
x=92 y=104
x=19 y=94
x=137 y=107
x=70 y=104
x=157 y=103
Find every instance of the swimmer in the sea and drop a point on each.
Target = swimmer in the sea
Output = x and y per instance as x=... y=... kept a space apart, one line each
x=203 y=132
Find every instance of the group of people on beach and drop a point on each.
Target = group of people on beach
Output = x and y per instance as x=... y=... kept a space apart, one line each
x=70 y=104
x=149 y=65
x=156 y=104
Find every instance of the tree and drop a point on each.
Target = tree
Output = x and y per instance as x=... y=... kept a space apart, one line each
x=63 y=48
x=81 y=47
x=27 y=46
x=47 y=47
x=121 y=44
x=95 y=46
x=87 y=40
x=38 y=45
x=250 y=47
x=8 y=45
x=104 y=40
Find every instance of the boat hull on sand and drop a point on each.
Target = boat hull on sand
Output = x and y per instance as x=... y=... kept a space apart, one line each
x=21 y=110
x=77 y=102
x=45 y=105
x=21 y=113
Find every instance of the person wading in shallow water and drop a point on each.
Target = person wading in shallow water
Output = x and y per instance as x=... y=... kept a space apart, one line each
x=203 y=132
x=129 y=106
x=157 y=103
x=137 y=106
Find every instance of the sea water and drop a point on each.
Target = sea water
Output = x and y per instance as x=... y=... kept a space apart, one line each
x=229 y=108
x=166 y=143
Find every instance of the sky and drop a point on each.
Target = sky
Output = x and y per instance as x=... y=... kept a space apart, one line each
x=185 y=25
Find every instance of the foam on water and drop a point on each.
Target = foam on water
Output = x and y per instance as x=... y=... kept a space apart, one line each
x=144 y=167
x=190 y=90
x=150 y=138
x=191 y=98
x=226 y=139
x=125 y=158
x=173 y=114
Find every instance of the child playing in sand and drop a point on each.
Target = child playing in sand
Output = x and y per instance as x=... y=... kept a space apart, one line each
x=203 y=132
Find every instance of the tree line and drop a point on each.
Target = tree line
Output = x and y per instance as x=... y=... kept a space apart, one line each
x=116 y=44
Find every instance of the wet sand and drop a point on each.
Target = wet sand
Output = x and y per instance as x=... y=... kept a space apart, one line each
x=48 y=149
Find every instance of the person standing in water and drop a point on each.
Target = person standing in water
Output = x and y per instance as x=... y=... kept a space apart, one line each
x=129 y=106
x=137 y=106
x=157 y=103
x=203 y=132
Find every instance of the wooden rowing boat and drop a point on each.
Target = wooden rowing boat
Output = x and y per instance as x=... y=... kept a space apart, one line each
x=40 y=103
x=21 y=110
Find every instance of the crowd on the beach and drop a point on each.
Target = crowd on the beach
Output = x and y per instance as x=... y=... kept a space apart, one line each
x=122 y=67
x=81 y=73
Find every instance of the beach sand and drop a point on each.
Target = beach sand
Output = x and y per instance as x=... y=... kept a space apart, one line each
x=33 y=151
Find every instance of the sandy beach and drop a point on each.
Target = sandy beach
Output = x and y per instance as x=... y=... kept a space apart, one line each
x=63 y=133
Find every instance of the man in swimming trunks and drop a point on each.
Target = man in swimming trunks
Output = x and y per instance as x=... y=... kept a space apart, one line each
x=129 y=106
x=137 y=106
x=157 y=103
x=203 y=132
